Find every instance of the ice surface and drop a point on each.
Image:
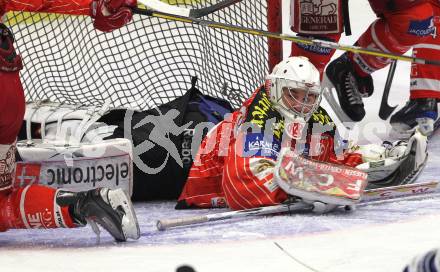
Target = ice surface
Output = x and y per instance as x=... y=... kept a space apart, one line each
x=373 y=238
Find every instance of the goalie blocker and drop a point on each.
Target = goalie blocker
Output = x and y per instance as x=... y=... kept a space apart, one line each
x=324 y=185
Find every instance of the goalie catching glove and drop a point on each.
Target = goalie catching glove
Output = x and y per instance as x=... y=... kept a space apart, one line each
x=392 y=164
x=111 y=14
x=323 y=185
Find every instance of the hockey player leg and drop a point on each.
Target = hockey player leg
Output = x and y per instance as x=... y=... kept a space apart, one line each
x=12 y=107
x=418 y=113
x=33 y=207
x=38 y=206
x=111 y=209
x=350 y=74
x=318 y=56
x=421 y=111
x=350 y=88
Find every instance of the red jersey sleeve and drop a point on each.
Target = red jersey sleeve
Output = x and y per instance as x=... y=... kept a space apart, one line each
x=247 y=180
x=77 y=7
x=326 y=153
x=203 y=186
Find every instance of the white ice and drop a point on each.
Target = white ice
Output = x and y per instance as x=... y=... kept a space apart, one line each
x=373 y=238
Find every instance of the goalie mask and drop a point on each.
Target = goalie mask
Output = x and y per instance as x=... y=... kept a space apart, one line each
x=295 y=91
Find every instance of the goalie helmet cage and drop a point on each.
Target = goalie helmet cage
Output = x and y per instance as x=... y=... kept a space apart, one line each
x=148 y=62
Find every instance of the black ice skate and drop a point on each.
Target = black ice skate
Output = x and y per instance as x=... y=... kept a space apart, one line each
x=109 y=208
x=350 y=88
x=421 y=112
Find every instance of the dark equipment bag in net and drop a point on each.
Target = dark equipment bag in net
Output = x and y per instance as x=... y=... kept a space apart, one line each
x=162 y=135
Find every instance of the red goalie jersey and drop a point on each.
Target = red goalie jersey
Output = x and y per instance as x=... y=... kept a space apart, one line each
x=234 y=164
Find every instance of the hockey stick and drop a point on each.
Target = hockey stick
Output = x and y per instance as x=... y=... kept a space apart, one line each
x=185 y=221
x=274 y=35
x=385 y=109
x=381 y=195
x=186 y=12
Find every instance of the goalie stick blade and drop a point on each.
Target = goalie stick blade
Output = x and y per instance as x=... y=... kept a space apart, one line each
x=385 y=109
x=197 y=13
x=163 y=7
x=336 y=108
x=186 y=12
x=401 y=191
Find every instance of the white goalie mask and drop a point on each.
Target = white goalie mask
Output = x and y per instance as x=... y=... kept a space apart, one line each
x=295 y=91
x=294 y=88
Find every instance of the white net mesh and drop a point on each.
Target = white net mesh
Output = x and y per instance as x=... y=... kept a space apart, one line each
x=147 y=63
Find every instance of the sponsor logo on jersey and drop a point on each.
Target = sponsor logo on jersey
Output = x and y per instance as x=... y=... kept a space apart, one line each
x=318 y=16
x=365 y=67
x=257 y=145
x=422 y=28
x=313 y=48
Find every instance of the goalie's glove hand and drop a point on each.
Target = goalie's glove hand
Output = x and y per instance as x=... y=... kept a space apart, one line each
x=111 y=14
x=395 y=150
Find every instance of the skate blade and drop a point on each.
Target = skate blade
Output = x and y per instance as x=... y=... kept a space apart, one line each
x=340 y=114
x=130 y=225
x=328 y=93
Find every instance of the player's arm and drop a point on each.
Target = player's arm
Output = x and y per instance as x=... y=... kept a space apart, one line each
x=248 y=174
x=108 y=15
x=325 y=152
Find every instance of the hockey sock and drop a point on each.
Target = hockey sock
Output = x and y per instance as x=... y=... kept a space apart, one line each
x=33 y=206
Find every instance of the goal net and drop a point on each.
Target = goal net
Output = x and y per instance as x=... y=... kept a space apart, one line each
x=147 y=63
